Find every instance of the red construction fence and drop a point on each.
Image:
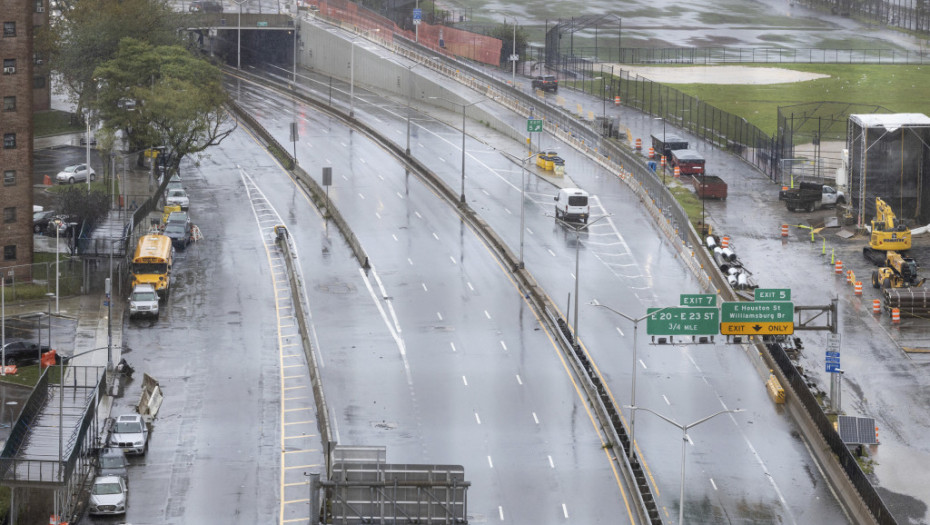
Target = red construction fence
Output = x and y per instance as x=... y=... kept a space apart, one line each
x=443 y=39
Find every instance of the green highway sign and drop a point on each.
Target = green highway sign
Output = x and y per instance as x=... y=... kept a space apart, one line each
x=757 y=318
x=702 y=299
x=534 y=125
x=676 y=320
x=772 y=294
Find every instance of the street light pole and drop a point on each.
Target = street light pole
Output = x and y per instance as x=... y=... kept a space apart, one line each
x=513 y=57
x=577 y=229
x=3 y=326
x=464 y=107
x=87 y=148
x=239 y=38
x=409 y=97
x=635 y=322
x=352 y=80
x=684 y=439
x=462 y=200
x=520 y=264
x=57 y=256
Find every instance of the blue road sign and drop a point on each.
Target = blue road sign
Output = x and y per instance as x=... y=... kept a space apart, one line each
x=831 y=353
x=833 y=368
x=417 y=14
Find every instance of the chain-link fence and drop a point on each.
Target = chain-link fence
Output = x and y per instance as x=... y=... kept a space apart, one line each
x=913 y=15
x=811 y=138
x=723 y=55
x=32 y=281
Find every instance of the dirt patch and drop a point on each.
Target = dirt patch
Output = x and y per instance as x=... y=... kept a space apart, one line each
x=717 y=74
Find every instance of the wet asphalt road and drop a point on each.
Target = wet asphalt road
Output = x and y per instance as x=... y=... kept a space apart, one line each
x=646 y=287
x=619 y=255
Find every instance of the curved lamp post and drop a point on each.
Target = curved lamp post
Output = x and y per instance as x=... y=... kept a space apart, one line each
x=635 y=322
x=577 y=228
x=684 y=439
x=464 y=107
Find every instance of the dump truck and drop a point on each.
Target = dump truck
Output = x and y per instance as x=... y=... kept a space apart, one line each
x=888 y=233
x=809 y=196
x=898 y=272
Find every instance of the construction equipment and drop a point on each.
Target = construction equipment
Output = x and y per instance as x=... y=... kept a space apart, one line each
x=898 y=272
x=888 y=233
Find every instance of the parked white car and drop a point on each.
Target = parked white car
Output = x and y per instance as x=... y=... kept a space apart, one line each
x=130 y=433
x=177 y=197
x=108 y=495
x=75 y=173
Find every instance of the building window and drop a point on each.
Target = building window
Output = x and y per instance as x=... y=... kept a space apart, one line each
x=9 y=141
x=9 y=103
x=9 y=29
x=9 y=214
x=40 y=6
x=9 y=178
x=9 y=66
x=9 y=252
x=38 y=82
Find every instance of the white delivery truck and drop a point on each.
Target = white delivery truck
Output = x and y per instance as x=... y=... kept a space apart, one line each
x=571 y=204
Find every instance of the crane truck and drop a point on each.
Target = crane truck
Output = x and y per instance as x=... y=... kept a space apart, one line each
x=888 y=233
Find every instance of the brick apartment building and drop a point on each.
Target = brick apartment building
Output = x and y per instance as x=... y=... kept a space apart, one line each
x=19 y=90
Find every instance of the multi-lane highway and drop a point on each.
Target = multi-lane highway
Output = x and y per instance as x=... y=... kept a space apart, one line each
x=750 y=461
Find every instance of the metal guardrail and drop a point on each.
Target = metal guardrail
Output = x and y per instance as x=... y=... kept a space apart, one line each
x=645 y=508
x=734 y=55
x=672 y=219
x=301 y=309
x=669 y=215
x=839 y=450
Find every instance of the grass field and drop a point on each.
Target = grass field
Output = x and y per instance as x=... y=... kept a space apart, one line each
x=899 y=89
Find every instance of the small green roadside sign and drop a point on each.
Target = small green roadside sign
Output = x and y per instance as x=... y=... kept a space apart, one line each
x=676 y=320
x=701 y=299
x=772 y=294
x=534 y=125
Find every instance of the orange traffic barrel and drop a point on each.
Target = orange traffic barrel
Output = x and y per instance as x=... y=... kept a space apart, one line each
x=876 y=306
x=784 y=230
x=677 y=172
x=652 y=153
x=849 y=276
x=838 y=267
x=724 y=243
x=47 y=181
x=858 y=286
x=617 y=100
x=662 y=161
x=639 y=144
x=895 y=316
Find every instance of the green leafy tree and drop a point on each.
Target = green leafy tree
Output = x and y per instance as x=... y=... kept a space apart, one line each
x=504 y=32
x=88 y=33
x=163 y=96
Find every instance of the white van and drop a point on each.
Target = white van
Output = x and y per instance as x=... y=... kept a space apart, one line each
x=571 y=204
